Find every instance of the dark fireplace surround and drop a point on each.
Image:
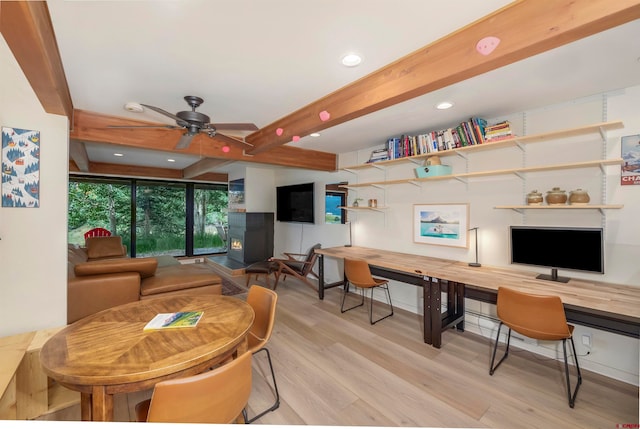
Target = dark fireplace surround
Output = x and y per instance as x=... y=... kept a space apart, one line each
x=250 y=237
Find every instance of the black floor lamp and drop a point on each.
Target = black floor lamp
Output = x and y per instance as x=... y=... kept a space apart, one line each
x=475 y=264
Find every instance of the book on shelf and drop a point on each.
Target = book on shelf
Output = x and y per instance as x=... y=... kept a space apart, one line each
x=180 y=319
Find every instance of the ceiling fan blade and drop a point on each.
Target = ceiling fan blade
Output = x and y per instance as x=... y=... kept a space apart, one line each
x=236 y=126
x=164 y=112
x=232 y=140
x=171 y=127
x=185 y=141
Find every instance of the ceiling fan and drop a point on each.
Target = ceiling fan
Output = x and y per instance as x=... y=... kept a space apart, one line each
x=195 y=122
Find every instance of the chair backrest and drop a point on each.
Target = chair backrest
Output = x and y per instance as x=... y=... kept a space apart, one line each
x=358 y=273
x=263 y=301
x=311 y=259
x=536 y=316
x=216 y=396
x=97 y=232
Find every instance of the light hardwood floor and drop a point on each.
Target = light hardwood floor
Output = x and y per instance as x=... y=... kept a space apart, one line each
x=336 y=369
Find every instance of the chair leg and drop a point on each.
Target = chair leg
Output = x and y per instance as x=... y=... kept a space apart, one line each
x=386 y=289
x=495 y=348
x=344 y=296
x=276 y=404
x=571 y=397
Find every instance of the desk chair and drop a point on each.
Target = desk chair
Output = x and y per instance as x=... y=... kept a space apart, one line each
x=539 y=317
x=216 y=396
x=358 y=274
x=298 y=268
x=263 y=301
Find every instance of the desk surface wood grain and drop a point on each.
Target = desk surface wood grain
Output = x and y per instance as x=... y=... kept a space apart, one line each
x=621 y=300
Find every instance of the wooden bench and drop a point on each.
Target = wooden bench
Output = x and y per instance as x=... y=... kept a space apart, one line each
x=25 y=390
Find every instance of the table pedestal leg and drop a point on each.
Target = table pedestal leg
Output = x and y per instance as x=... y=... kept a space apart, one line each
x=85 y=407
x=102 y=405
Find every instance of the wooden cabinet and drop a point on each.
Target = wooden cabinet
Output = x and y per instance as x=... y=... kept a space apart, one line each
x=599 y=129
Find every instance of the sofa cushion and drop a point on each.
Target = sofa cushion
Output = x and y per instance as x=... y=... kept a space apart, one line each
x=146 y=267
x=105 y=247
x=178 y=277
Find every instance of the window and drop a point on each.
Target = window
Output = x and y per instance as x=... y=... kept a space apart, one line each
x=335 y=197
x=170 y=218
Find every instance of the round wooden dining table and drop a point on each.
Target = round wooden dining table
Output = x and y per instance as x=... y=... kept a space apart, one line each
x=110 y=352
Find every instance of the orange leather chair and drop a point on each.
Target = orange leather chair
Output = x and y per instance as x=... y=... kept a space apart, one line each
x=263 y=301
x=216 y=396
x=358 y=274
x=539 y=317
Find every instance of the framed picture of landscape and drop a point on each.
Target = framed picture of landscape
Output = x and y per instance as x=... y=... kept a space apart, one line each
x=20 y=168
x=441 y=224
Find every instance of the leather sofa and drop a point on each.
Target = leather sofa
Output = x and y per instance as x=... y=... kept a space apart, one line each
x=101 y=276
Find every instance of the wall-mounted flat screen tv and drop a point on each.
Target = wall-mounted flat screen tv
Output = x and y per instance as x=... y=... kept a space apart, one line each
x=567 y=248
x=294 y=203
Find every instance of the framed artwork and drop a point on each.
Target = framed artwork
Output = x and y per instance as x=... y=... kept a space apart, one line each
x=441 y=224
x=236 y=191
x=631 y=157
x=20 y=168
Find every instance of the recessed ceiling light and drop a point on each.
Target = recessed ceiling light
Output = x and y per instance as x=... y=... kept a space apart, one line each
x=171 y=160
x=118 y=154
x=351 y=60
x=444 y=105
x=314 y=135
x=133 y=107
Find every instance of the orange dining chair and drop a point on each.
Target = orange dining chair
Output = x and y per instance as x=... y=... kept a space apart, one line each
x=535 y=316
x=216 y=396
x=97 y=232
x=358 y=274
x=263 y=301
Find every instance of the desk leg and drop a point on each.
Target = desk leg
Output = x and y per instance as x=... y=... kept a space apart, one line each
x=102 y=405
x=426 y=305
x=320 y=276
x=435 y=312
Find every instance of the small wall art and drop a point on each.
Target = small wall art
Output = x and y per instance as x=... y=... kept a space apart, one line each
x=236 y=191
x=441 y=224
x=20 y=168
x=631 y=157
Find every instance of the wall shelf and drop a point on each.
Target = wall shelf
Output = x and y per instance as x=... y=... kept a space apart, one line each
x=600 y=207
x=600 y=128
x=376 y=209
x=516 y=171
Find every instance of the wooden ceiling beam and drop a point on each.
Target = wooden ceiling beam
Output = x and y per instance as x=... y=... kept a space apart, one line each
x=525 y=28
x=119 y=170
x=95 y=127
x=203 y=166
x=27 y=28
x=78 y=153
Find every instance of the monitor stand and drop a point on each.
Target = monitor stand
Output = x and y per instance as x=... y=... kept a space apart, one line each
x=553 y=277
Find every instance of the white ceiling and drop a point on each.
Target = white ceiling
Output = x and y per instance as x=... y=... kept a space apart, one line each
x=259 y=60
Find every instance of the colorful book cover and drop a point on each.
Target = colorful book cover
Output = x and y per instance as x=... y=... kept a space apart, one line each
x=180 y=319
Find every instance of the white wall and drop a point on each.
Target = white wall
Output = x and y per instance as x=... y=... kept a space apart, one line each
x=392 y=230
x=33 y=241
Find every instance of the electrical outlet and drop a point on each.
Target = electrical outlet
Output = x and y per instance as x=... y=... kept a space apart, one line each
x=586 y=340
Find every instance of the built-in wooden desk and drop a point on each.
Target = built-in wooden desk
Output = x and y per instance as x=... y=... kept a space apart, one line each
x=607 y=306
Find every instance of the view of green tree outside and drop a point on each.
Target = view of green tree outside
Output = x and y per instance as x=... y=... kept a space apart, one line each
x=161 y=216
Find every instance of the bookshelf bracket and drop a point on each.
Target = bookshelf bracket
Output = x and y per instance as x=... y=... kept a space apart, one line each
x=463 y=180
x=415 y=183
x=379 y=167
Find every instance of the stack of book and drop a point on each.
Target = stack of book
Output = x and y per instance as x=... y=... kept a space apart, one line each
x=379 y=155
x=471 y=132
x=499 y=131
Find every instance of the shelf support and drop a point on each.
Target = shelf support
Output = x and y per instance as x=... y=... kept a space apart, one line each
x=415 y=183
x=462 y=155
x=350 y=170
x=465 y=181
x=379 y=186
x=379 y=167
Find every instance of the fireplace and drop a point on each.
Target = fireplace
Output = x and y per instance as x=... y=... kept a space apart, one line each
x=250 y=237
